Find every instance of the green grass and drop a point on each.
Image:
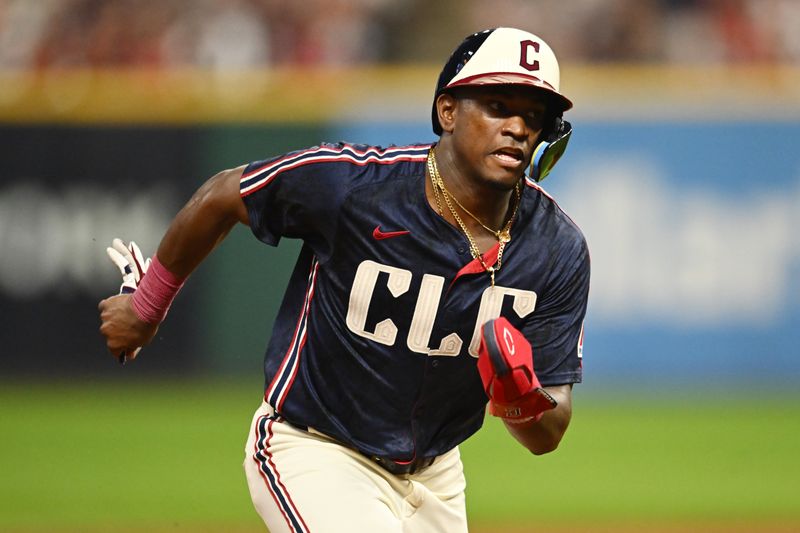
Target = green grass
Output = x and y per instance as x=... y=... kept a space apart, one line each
x=167 y=456
x=650 y=460
x=127 y=456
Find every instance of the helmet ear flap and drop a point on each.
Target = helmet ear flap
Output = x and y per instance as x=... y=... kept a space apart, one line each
x=551 y=147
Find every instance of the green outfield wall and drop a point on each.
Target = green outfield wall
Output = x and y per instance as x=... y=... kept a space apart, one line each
x=683 y=178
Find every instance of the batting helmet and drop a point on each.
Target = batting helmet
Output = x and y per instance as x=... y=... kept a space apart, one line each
x=504 y=56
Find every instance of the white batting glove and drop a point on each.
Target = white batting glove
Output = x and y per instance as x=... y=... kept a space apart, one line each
x=132 y=266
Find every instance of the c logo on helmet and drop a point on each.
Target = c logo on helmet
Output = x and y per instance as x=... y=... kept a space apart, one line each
x=525 y=47
x=509 y=340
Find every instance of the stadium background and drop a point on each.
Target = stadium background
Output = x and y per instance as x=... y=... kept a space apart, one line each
x=683 y=172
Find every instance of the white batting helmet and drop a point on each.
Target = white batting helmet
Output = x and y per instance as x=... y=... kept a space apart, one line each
x=502 y=56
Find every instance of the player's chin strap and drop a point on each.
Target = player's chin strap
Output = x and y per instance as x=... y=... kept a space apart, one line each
x=550 y=150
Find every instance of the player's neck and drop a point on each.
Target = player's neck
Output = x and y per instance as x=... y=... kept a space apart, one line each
x=489 y=204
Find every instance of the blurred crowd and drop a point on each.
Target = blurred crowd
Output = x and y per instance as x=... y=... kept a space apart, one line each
x=222 y=34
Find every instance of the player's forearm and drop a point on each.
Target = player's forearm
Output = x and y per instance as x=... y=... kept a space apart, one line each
x=545 y=435
x=202 y=223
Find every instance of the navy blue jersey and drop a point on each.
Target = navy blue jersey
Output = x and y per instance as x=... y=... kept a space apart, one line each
x=376 y=340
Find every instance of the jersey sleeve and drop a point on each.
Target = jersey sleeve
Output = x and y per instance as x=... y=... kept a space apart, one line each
x=555 y=330
x=295 y=195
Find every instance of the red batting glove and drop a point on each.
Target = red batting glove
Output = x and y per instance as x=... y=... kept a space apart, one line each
x=505 y=363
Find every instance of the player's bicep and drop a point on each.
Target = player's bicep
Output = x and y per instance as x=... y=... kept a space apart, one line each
x=202 y=223
x=217 y=202
x=230 y=195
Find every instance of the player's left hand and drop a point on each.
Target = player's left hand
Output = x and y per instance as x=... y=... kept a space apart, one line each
x=505 y=364
x=132 y=266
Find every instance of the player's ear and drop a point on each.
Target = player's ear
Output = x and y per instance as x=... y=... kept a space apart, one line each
x=446 y=105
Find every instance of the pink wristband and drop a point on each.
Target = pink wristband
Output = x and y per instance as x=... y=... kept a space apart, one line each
x=155 y=293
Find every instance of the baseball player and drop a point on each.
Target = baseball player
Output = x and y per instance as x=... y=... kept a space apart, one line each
x=430 y=280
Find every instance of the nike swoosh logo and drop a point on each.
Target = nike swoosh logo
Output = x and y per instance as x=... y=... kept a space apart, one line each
x=379 y=235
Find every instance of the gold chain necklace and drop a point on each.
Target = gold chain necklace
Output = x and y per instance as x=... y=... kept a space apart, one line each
x=503 y=236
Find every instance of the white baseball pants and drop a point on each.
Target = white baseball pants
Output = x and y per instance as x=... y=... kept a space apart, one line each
x=303 y=481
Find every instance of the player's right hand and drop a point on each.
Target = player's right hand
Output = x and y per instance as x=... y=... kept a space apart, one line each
x=130 y=262
x=132 y=266
x=125 y=333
